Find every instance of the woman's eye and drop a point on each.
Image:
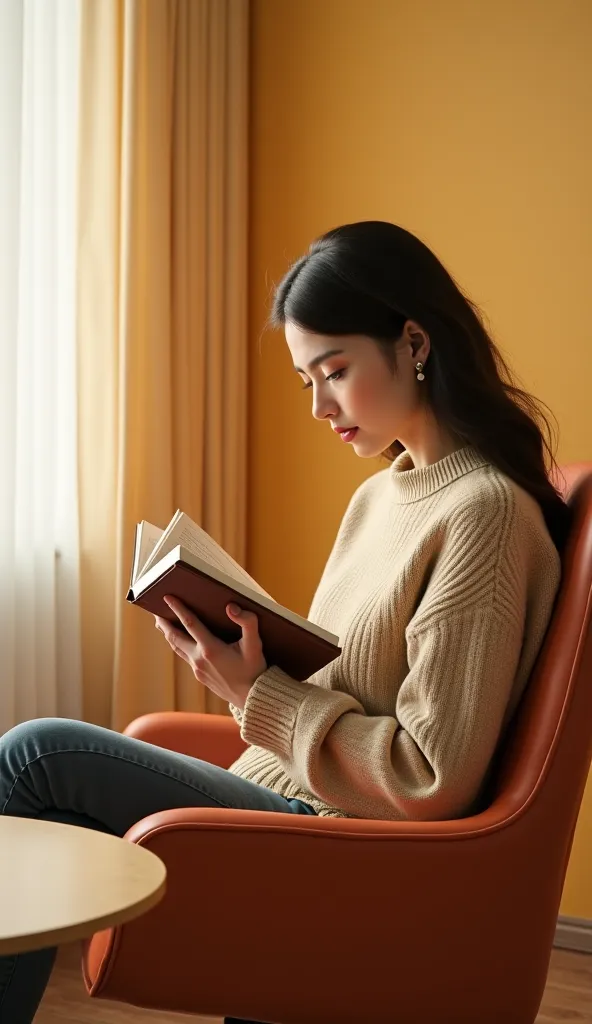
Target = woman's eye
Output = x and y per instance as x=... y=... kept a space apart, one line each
x=337 y=375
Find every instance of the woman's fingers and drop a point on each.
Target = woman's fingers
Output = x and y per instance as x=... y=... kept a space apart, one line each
x=251 y=645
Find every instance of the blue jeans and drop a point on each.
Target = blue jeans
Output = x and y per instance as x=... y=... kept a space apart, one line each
x=64 y=770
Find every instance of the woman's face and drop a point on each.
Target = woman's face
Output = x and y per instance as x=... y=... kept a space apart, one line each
x=352 y=384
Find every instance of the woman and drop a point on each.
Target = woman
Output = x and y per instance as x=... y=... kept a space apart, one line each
x=440 y=585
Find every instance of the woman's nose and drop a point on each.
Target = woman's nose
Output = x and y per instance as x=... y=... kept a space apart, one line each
x=323 y=406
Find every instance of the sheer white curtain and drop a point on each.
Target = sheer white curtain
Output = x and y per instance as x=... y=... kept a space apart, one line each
x=39 y=557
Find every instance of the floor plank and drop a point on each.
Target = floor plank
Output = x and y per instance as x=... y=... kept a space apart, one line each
x=568 y=997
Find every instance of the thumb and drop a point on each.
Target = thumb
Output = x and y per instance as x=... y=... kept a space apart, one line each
x=249 y=624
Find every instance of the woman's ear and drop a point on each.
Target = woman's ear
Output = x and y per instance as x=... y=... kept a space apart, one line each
x=418 y=339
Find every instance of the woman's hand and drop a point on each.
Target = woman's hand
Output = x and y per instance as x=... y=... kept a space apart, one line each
x=229 y=670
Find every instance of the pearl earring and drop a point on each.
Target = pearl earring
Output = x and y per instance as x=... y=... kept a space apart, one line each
x=419 y=368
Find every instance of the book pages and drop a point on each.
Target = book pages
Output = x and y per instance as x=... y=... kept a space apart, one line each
x=148 y=537
x=184 y=532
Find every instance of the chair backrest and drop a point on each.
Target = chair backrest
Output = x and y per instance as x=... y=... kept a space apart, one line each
x=569 y=476
x=547 y=753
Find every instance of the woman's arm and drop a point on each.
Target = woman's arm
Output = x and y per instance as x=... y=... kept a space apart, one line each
x=427 y=763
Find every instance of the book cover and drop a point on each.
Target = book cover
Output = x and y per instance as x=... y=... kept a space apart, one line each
x=291 y=642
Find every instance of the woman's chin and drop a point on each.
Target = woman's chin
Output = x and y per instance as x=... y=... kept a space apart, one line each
x=365 y=447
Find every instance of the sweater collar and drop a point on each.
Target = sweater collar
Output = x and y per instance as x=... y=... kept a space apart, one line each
x=414 y=484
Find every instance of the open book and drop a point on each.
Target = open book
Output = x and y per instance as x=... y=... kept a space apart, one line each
x=185 y=562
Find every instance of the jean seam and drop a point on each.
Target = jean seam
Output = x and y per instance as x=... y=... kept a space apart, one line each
x=128 y=760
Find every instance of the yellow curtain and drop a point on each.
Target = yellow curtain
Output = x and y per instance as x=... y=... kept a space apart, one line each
x=162 y=240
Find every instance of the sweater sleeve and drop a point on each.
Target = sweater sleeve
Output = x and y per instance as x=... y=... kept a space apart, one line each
x=429 y=761
x=236 y=713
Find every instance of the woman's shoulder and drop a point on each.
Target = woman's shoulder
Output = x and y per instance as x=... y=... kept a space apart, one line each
x=488 y=497
x=498 y=528
x=495 y=549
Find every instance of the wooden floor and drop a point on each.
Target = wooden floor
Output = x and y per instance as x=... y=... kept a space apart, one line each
x=568 y=997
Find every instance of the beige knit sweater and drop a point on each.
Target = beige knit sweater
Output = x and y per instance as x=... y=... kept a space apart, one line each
x=440 y=586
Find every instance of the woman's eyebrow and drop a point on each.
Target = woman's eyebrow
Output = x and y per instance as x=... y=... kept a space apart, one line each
x=320 y=359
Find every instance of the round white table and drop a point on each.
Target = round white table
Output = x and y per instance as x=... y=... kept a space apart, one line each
x=59 y=883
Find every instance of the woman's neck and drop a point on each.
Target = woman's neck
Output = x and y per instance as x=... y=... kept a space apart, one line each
x=430 y=443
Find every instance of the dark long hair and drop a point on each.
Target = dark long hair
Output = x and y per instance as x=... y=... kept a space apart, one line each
x=370 y=278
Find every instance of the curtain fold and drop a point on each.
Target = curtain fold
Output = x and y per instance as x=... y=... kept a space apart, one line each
x=162 y=242
x=40 y=658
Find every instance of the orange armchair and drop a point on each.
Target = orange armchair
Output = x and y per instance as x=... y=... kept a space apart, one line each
x=310 y=920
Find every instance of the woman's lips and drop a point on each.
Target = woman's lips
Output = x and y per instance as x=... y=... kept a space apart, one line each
x=348 y=435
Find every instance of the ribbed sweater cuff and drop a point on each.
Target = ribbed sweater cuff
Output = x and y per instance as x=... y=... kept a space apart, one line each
x=271 y=709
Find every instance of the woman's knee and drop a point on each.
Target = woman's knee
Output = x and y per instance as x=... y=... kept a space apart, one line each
x=41 y=765
x=37 y=736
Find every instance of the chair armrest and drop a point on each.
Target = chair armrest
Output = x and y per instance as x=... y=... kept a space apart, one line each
x=405 y=894
x=213 y=738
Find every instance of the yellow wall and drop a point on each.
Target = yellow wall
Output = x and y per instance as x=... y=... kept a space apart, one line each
x=469 y=123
